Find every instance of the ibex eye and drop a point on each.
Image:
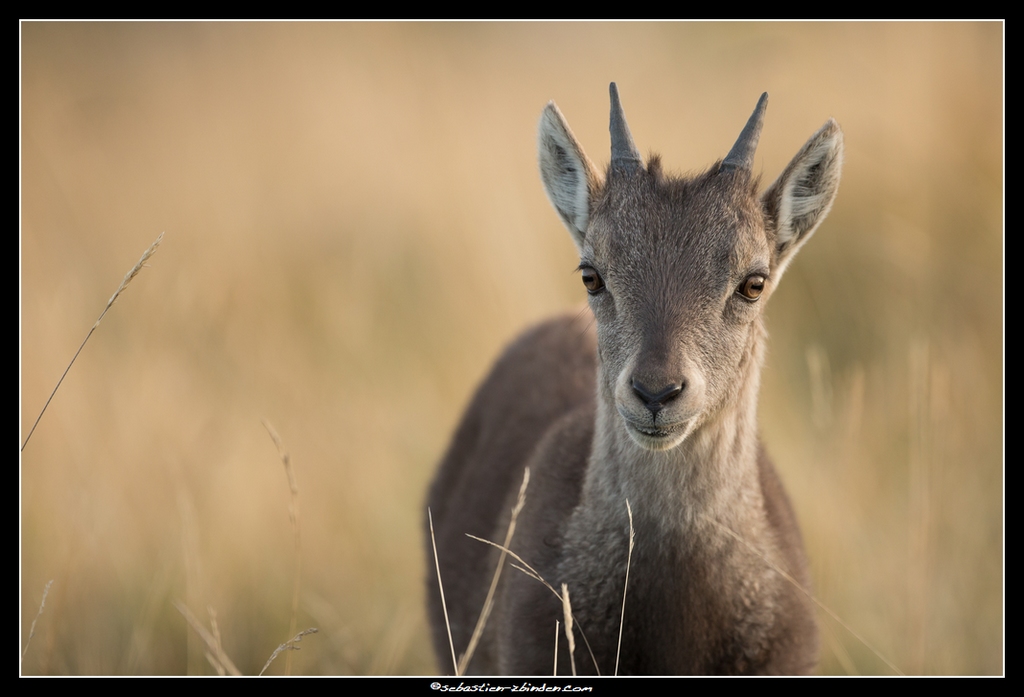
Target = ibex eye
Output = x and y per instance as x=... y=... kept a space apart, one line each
x=593 y=281
x=752 y=287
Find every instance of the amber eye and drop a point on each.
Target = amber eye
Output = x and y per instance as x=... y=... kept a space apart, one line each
x=752 y=287
x=592 y=280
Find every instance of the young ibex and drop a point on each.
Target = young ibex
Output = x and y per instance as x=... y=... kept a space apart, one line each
x=657 y=406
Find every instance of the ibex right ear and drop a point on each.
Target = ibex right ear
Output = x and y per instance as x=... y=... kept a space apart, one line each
x=570 y=179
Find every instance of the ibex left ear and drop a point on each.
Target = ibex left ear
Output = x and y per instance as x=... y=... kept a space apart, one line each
x=801 y=197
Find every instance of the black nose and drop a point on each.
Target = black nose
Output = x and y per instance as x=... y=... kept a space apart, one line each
x=656 y=400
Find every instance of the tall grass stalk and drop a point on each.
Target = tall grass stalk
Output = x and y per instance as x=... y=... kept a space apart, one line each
x=485 y=612
x=293 y=515
x=132 y=273
x=32 y=629
x=555 y=669
x=625 y=585
x=440 y=587
x=215 y=653
x=806 y=592
x=290 y=645
x=532 y=573
x=567 y=614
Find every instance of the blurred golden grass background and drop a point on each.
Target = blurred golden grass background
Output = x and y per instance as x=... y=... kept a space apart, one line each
x=355 y=227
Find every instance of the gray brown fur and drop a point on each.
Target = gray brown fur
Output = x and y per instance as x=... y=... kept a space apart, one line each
x=655 y=402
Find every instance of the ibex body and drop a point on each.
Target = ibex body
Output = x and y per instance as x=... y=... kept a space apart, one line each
x=654 y=403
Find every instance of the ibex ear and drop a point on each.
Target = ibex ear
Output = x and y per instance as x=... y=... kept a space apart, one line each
x=801 y=197
x=569 y=177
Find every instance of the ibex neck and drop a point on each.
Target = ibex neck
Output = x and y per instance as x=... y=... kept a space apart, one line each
x=713 y=473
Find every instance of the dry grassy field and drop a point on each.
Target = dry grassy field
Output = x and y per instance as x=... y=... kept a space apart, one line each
x=354 y=226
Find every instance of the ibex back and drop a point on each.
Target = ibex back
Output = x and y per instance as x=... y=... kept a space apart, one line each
x=654 y=403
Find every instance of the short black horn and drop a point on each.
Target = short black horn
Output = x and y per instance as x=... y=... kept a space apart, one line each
x=624 y=152
x=742 y=154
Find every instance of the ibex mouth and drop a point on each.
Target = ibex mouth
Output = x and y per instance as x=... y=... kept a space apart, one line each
x=656 y=437
x=652 y=431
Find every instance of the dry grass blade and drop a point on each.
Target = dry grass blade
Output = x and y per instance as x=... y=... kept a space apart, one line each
x=485 y=612
x=532 y=573
x=289 y=645
x=444 y=607
x=555 y=670
x=217 y=666
x=629 y=558
x=529 y=571
x=215 y=631
x=215 y=652
x=525 y=568
x=839 y=651
x=132 y=273
x=293 y=515
x=806 y=592
x=567 y=613
x=32 y=629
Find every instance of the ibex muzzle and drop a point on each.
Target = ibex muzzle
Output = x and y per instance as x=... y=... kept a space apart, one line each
x=651 y=400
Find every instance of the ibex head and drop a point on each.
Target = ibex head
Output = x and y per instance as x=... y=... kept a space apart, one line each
x=678 y=270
